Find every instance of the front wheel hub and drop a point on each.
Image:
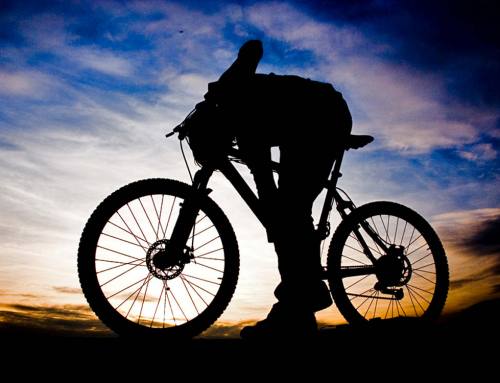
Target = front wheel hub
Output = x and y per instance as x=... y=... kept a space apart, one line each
x=162 y=263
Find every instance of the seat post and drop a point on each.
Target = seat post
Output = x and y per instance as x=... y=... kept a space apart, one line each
x=323 y=227
x=336 y=174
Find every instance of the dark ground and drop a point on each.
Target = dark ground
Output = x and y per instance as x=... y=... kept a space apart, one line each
x=465 y=344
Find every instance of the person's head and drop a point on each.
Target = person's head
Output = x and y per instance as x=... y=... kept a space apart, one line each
x=250 y=53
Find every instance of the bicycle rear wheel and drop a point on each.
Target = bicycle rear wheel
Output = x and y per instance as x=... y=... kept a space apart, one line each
x=409 y=280
x=121 y=279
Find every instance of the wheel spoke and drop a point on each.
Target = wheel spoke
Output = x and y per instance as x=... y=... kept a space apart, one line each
x=420 y=296
x=136 y=237
x=206 y=243
x=123 y=240
x=209 y=252
x=355 y=283
x=121 y=264
x=402 y=308
x=211 y=259
x=355 y=260
x=164 y=231
x=388 y=226
x=138 y=291
x=158 y=215
x=385 y=229
x=178 y=305
x=119 y=275
x=149 y=220
x=371 y=302
x=352 y=248
x=143 y=298
x=200 y=279
x=371 y=248
x=374 y=226
x=201 y=219
x=368 y=297
x=198 y=233
x=396 y=231
x=411 y=237
x=126 y=288
x=423 y=267
x=156 y=308
x=196 y=291
x=425 y=256
x=167 y=289
x=376 y=301
x=137 y=222
x=421 y=276
x=411 y=299
x=417 y=249
x=201 y=288
x=209 y=267
x=190 y=297
x=118 y=252
x=403 y=235
x=131 y=232
x=388 y=308
x=375 y=229
x=420 y=289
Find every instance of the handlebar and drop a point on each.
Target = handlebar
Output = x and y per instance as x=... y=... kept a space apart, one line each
x=177 y=129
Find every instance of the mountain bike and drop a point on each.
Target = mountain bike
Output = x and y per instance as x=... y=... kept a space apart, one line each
x=159 y=257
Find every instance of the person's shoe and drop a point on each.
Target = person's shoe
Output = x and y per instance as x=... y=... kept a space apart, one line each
x=322 y=297
x=282 y=323
x=316 y=296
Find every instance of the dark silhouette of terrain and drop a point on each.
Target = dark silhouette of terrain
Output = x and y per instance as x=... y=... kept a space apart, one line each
x=465 y=342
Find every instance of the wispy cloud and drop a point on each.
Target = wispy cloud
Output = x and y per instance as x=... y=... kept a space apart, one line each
x=471 y=242
x=49 y=34
x=67 y=290
x=479 y=153
x=404 y=107
x=100 y=60
x=56 y=320
x=27 y=83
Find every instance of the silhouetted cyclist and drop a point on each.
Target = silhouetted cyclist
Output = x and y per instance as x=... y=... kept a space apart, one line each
x=308 y=121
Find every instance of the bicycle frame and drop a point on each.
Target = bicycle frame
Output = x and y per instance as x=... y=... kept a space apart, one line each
x=189 y=210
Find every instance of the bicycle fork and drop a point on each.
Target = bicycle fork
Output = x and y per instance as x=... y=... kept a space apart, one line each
x=177 y=251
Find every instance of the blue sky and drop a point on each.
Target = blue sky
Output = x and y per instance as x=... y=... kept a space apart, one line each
x=88 y=89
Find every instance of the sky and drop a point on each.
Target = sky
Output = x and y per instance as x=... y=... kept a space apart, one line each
x=89 y=89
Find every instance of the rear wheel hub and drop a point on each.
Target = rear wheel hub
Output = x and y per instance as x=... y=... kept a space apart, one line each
x=393 y=269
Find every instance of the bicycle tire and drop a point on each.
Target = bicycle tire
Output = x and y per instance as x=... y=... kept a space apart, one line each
x=340 y=256
x=93 y=234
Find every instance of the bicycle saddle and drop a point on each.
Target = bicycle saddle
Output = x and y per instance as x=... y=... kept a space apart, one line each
x=356 y=142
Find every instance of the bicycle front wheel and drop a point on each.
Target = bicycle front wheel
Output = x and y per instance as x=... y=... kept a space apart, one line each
x=408 y=275
x=122 y=280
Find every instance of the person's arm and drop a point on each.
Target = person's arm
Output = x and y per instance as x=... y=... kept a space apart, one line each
x=233 y=83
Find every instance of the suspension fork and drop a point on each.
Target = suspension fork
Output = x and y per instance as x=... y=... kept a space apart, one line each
x=190 y=208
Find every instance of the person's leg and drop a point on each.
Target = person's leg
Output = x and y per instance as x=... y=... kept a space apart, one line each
x=305 y=164
x=300 y=181
x=303 y=172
